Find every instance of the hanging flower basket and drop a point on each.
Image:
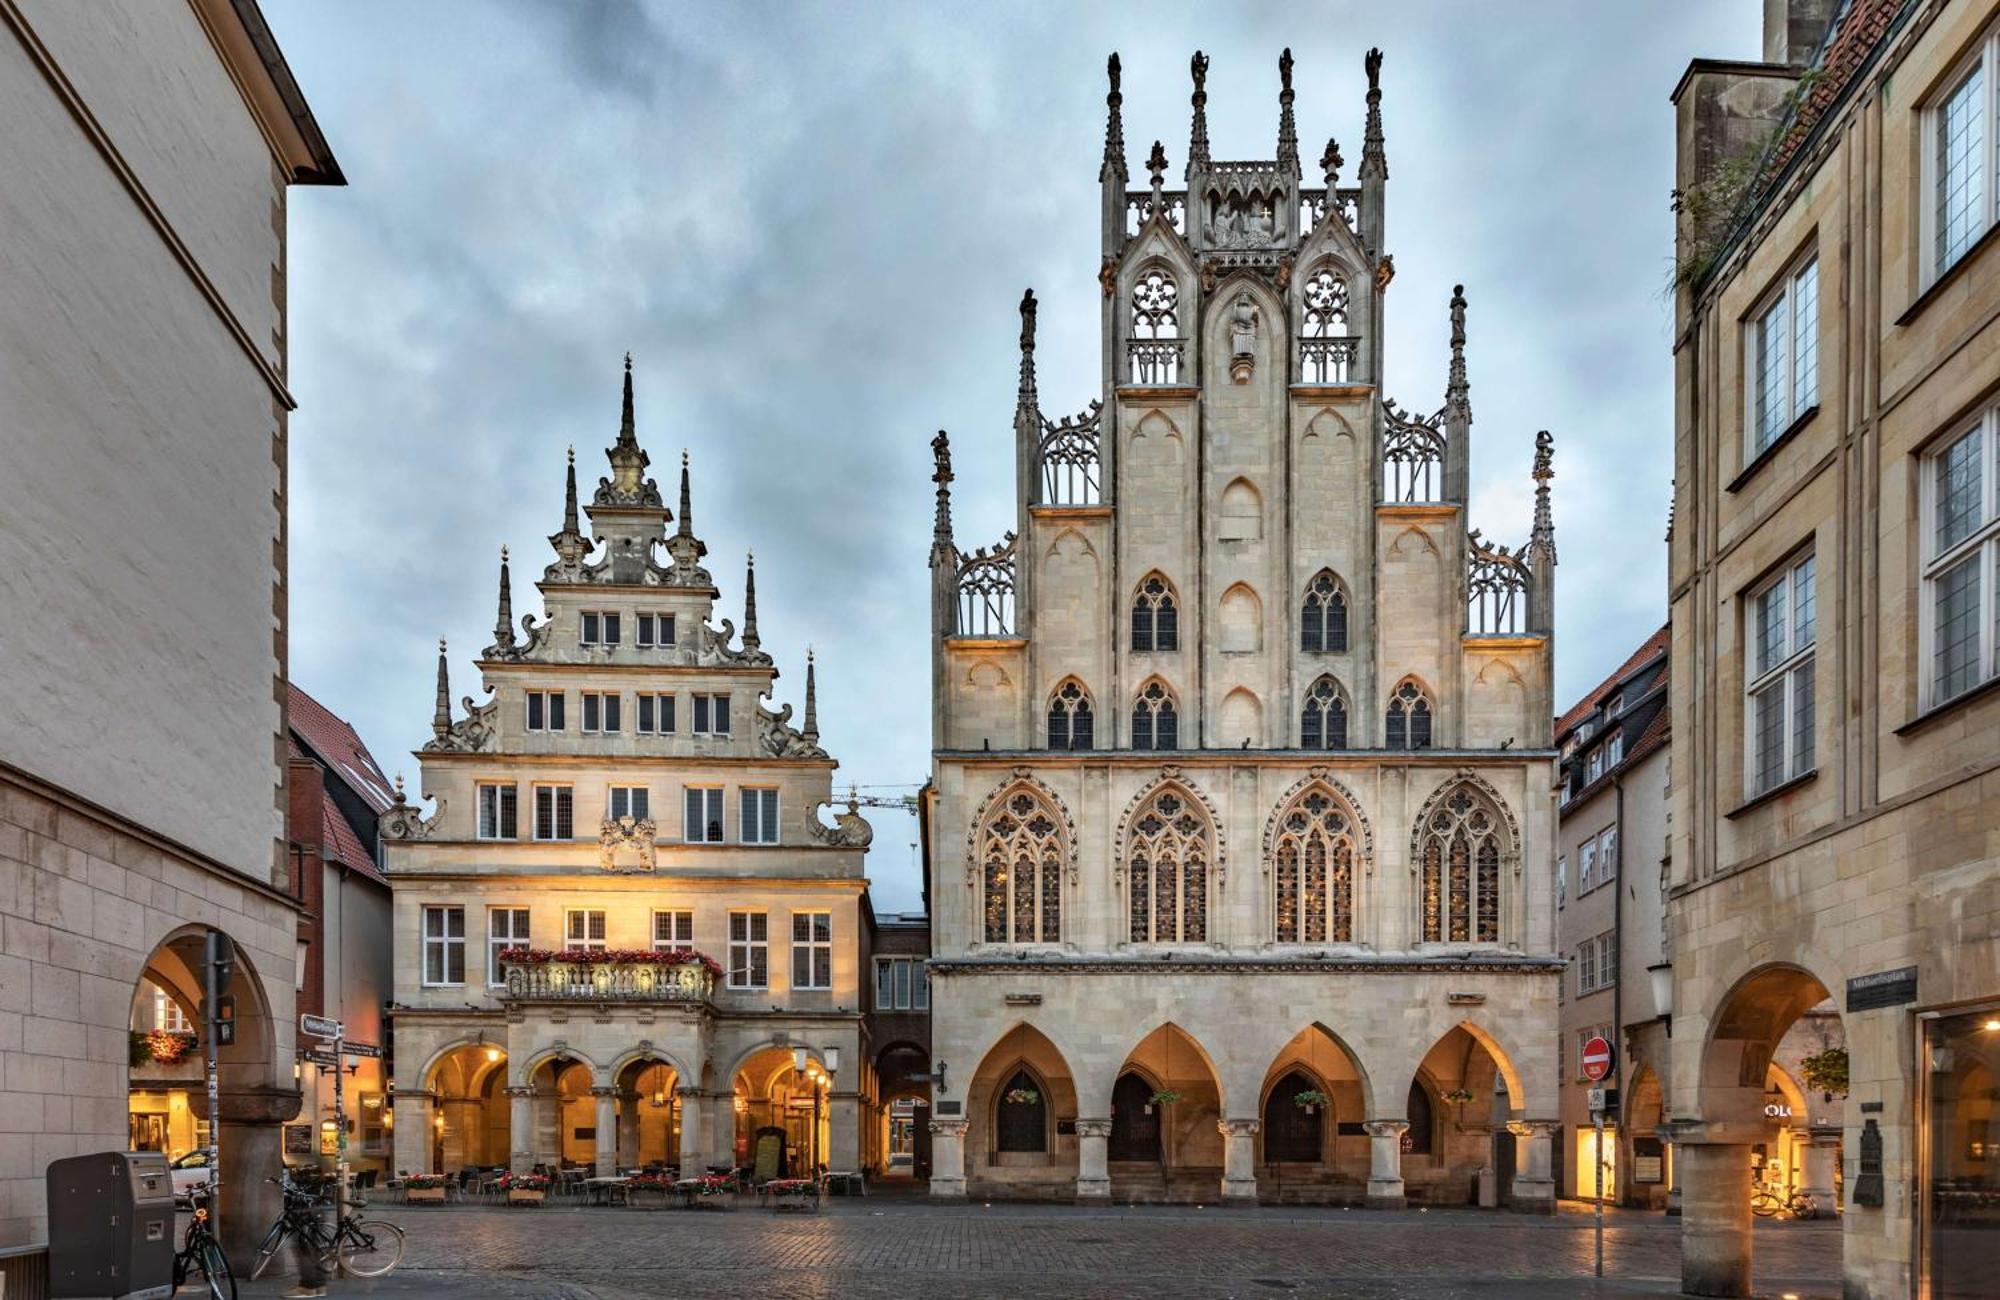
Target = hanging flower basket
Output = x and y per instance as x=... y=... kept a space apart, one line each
x=1826 y=1072
x=1021 y=1096
x=1309 y=1100
x=160 y=1047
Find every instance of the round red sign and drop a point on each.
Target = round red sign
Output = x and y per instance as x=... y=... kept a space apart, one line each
x=1596 y=1059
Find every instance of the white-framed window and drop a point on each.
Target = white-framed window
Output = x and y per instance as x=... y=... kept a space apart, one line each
x=1780 y=632
x=554 y=809
x=672 y=929
x=1959 y=134
x=600 y=627
x=1562 y=879
x=1960 y=644
x=1607 y=854
x=758 y=810
x=711 y=715
x=634 y=801
x=656 y=631
x=1782 y=356
x=1586 y=867
x=601 y=712
x=749 y=950
x=812 y=950
x=701 y=817
x=584 y=927
x=499 y=810
x=506 y=927
x=444 y=946
x=545 y=710
x=656 y=714
x=901 y=984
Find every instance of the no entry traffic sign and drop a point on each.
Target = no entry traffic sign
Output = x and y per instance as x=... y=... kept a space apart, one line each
x=1596 y=1058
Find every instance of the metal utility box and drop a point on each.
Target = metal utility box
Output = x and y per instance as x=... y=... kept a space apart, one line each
x=111 y=1226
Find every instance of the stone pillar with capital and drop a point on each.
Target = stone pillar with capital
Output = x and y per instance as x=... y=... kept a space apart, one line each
x=948 y=1159
x=1385 y=1163
x=1534 y=1189
x=1093 y=1165
x=606 y=1148
x=689 y=1156
x=1239 y=1158
x=521 y=1129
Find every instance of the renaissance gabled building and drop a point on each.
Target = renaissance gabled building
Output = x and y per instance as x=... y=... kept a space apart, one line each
x=624 y=937
x=1241 y=833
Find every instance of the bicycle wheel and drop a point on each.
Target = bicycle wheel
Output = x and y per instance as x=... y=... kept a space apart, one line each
x=369 y=1247
x=267 y=1250
x=215 y=1271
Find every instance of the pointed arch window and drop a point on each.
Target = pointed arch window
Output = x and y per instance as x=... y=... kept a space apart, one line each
x=1156 y=620
x=1408 y=723
x=1168 y=853
x=1154 y=345
x=1155 y=720
x=1020 y=867
x=1071 y=725
x=1458 y=862
x=1323 y=616
x=1323 y=721
x=1313 y=865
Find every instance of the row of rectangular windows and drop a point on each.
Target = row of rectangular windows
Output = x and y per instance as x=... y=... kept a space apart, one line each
x=603 y=712
x=702 y=814
x=586 y=928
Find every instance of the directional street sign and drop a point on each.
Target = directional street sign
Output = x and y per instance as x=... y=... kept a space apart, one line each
x=320 y=1026
x=1596 y=1058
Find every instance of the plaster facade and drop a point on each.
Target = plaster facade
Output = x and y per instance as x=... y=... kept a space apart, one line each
x=1240 y=833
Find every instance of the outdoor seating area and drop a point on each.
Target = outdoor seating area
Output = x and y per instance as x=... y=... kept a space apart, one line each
x=649 y=1187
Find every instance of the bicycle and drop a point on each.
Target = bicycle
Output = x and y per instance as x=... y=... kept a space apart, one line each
x=358 y=1247
x=1794 y=1203
x=201 y=1254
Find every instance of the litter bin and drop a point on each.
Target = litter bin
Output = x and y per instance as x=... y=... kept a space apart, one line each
x=111 y=1226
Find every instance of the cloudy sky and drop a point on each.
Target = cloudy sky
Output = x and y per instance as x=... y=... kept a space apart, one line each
x=811 y=224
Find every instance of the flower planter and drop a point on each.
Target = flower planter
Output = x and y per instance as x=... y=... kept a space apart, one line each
x=526 y=1196
x=423 y=1195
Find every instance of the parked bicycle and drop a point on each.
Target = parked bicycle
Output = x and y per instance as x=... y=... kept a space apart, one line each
x=358 y=1247
x=1790 y=1203
x=201 y=1262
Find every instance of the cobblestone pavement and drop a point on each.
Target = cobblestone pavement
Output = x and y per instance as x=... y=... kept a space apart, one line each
x=878 y=1248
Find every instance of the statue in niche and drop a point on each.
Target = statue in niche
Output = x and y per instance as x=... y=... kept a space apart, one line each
x=1242 y=339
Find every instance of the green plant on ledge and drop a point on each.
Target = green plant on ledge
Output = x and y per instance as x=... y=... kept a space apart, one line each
x=1826 y=1072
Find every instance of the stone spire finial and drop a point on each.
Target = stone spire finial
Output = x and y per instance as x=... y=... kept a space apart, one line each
x=1457 y=389
x=1027 y=390
x=750 y=638
x=1198 y=137
x=941 y=543
x=1329 y=163
x=1542 y=538
x=503 y=626
x=810 y=728
x=570 y=524
x=1288 y=131
x=1114 y=126
x=1374 y=160
x=686 y=528
x=1156 y=163
x=441 y=717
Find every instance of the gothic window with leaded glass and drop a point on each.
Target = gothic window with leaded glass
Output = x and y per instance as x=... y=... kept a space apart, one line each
x=1312 y=864
x=1460 y=845
x=1071 y=725
x=1168 y=853
x=1408 y=722
x=1020 y=871
x=1155 y=616
x=1323 y=616
x=1155 y=722
x=1323 y=720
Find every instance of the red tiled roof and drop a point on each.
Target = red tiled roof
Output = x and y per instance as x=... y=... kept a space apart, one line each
x=1654 y=645
x=333 y=742
x=340 y=842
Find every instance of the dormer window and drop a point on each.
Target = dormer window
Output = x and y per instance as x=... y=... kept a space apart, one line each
x=656 y=631
x=600 y=627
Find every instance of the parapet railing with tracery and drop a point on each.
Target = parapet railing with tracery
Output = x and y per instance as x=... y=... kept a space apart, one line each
x=986 y=587
x=1412 y=456
x=1496 y=588
x=1312 y=207
x=1072 y=460
x=1139 y=209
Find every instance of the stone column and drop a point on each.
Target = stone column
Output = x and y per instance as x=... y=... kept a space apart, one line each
x=1239 y=1159
x=692 y=1111
x=1385 y=1163
x=948 y=1159
x=1715 y=1218
x=843 y=1138
x=1534 y=1189
x=520 y=1129
x=1093 y=1169
x=1673 y=1159
x=606 y=1149
x=1821 y=1155
x=413 y=1133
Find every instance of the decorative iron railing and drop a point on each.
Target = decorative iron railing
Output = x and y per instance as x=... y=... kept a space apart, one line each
x=1496 y=588
x=1153 y=361
x=986 y=588
x=606 y=981
x=1328 y=360
x=1412 y=456
x=1072 y=460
